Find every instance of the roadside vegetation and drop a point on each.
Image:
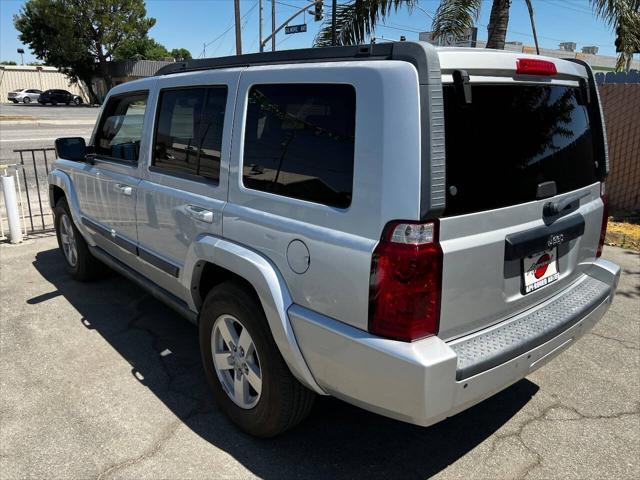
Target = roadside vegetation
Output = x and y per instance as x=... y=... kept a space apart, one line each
x=624 y=232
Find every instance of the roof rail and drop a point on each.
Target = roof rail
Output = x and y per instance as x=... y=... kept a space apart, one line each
x=305 y=55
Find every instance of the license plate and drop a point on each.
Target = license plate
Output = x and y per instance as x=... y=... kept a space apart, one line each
x=540 y=270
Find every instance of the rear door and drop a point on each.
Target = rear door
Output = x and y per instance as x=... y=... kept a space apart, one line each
x=516 y=148
x=184 y=187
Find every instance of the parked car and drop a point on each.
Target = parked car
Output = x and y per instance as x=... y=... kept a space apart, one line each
x=59 y=96
x=24 y=95
x=409 y=229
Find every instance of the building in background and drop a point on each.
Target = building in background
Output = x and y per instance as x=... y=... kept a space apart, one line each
x=15 y=77
x=590 y=50
x=568 y=46
x=122 y=71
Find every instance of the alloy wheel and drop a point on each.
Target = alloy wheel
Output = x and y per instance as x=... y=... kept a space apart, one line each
x=236 y=362
x=68 y=240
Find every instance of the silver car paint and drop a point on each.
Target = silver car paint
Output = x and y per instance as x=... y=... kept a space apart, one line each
x=416 y=382
x=340 y=242
x=257 y=228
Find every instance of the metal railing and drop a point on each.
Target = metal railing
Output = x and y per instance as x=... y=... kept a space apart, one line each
x=32 y=190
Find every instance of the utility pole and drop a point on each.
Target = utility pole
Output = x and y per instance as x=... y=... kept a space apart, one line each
x=273 y=25
x=236 y=8
x=333 y=23
x=260 y=32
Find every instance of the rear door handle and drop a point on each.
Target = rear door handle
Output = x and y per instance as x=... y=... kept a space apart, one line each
x=124 y=189
x=200 y=213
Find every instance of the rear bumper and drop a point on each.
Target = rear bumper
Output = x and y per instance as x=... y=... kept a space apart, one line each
x=426 y=381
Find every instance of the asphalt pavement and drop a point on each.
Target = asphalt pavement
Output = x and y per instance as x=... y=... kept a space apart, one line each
x=100 y=380
x=37 y=126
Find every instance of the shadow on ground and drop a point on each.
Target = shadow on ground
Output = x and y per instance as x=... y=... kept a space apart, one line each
x=336 y=441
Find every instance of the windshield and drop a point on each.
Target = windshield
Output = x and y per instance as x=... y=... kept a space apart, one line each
x=512 y=138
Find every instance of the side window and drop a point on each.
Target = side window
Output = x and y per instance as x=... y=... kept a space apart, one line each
x=120 y=130
x=299 y=142
x=189 y=127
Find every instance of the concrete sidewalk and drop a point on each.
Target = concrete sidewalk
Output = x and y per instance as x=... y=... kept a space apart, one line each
x=102 y=381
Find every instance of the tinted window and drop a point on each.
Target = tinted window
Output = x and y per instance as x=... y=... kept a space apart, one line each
x=511 y=139
x=299 y=142
x=189 y=131
x=120 y=129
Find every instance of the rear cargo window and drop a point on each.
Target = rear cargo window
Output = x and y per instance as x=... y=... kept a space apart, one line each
x=299 y=142
x=512 y=138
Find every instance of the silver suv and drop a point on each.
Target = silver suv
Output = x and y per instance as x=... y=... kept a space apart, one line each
x=409 y=229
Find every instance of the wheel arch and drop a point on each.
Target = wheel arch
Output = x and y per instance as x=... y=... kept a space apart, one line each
x=213 y=260
x=60 y=185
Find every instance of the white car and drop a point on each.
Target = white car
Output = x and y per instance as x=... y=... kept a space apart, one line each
x=24 y=95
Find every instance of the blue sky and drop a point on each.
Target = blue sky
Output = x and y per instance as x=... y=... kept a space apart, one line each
x=191 y=23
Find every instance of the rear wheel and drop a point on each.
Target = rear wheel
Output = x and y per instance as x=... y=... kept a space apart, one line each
x=80 y=264
x=249 y=378
x=77 y=101
x=26 y=100
x=54 y=103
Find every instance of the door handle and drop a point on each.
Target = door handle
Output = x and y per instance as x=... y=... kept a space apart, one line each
x=124 y=189
x=200 y=213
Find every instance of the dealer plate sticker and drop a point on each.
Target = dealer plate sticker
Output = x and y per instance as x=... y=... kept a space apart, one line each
x=540 y=270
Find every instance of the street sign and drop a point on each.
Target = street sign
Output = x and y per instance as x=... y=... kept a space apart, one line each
x=295 y=28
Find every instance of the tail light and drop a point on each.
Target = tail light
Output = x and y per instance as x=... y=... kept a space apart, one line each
x=605 y=219
x=406 y=282
x=531 y=66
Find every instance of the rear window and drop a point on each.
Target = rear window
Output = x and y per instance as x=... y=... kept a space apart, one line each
x=510 y=139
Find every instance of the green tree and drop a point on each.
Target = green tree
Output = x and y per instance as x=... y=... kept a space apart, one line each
x=144 y=48
x=80 y=37
x=180 y=54
x=8 y=62
x=623 y=14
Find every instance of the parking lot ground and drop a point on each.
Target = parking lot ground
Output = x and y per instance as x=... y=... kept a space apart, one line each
x=100 y=380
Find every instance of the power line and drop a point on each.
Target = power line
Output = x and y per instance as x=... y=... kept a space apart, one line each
x=230 y=27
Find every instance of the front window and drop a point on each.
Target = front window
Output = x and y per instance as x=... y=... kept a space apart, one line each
x=120 y=130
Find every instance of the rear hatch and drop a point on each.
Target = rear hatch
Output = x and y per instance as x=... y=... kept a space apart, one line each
x=523 y=142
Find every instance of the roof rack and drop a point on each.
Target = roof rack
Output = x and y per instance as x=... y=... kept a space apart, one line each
x=381 y=51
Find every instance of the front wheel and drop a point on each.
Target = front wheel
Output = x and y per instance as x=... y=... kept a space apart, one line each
x=250 y=381
x=80 y=264
x=26 y=100
x=77 y=101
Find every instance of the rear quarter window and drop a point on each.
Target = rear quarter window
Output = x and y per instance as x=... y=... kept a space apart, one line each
x=299 y=142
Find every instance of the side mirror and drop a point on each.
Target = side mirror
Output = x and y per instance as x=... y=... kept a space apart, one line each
x=71 y=148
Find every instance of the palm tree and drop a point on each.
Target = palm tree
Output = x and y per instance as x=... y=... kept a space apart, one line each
x=356 y=21
x=625 y=15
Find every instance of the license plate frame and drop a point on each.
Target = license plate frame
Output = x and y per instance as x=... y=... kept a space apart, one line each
x=539 y=270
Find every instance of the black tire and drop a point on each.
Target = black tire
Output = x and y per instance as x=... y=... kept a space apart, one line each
x=54 y=103
x=77 y=101
x=86 y=267
x=283 y=401
x=26 y=100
